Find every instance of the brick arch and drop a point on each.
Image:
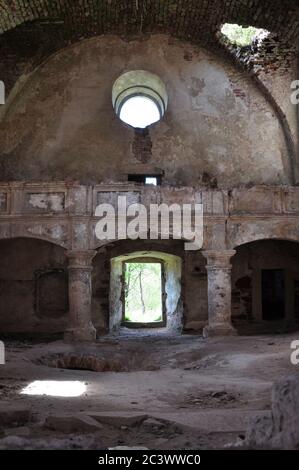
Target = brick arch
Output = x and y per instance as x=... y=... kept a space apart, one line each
x=196 y=19
x=47 y=26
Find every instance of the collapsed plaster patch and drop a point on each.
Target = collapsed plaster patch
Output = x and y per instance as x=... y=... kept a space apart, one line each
x=48 y=201
x=197 y=86
x=56 y=232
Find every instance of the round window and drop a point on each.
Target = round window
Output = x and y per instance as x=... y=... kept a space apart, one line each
x=139 y=98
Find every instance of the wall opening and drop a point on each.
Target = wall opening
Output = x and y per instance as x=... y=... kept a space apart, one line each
x=273 y=294
x=240 y=35
x=139 y=111
x=139 y=98
x=265 y=286
x=162 y=292
x=154 y=180
x=143 y=300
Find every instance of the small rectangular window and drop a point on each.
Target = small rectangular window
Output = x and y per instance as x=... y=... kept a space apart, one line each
x=151 y=180
x=154 y=180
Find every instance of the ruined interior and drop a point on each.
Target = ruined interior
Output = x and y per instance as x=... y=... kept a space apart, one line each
x=76 y=374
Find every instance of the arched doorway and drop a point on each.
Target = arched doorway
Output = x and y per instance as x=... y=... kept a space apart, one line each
x=108 y=300
x=171 y=306
x=265 y=286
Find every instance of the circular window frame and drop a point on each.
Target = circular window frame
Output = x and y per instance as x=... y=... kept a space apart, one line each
x=139 y=83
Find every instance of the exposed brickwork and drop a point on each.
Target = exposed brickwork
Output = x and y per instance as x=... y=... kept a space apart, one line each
x=142 y=145
x=265 y=55
x=41 y=27
x=24 y=47
x=35 y=30
x=192 y=18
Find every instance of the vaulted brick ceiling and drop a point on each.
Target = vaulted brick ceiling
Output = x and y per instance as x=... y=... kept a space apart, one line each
x=197 y=20
x=34 y=29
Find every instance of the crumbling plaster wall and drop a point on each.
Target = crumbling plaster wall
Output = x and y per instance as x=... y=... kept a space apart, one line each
x=279 y=82
x=62 y=124
x=25 y=304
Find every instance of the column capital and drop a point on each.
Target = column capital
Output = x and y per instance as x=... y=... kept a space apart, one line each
x=80 y=259
x=218 y=258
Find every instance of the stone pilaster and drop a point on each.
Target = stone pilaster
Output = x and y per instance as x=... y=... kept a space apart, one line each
x=219 y=292
x=80 y=326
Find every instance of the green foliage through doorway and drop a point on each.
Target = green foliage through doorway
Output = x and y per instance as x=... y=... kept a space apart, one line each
x=143 y=292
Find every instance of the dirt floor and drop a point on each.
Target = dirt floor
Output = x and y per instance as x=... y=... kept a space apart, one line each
x=145 y=390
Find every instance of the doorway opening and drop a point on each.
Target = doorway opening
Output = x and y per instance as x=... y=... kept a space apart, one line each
x=273 y=294
x=168 y=284
x=143 y=287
